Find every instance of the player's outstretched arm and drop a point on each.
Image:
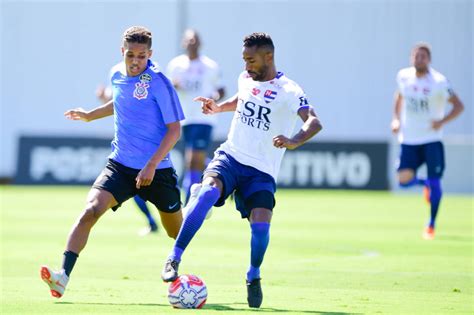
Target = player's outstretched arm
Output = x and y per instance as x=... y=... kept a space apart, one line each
x=457 y=109
x=210 y=107
x=145 y=176
x=310 y=128
x=99 y=112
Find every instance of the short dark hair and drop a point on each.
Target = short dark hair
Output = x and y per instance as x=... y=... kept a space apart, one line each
x=137 y=34
x=259 y=40
x=424 y=46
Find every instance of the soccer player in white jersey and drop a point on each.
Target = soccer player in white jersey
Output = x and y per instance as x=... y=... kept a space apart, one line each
x=147 y=116
x=419 y=115
x=266 y=108
x=194 y=74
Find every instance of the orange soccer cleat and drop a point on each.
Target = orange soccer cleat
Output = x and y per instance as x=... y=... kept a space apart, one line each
x=429 y=233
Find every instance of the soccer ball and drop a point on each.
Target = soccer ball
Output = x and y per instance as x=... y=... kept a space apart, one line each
x=188 y=291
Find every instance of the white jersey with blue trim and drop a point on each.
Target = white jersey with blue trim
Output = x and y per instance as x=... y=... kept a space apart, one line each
x=198 y=77
x=264 y=110
x=424 y=100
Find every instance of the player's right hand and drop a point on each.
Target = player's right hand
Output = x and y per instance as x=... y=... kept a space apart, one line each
x=209 y=105
x=77 y=114
x=395 y=125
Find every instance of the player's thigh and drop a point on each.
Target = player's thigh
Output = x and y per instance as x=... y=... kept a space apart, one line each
x=117 y=180
x=163 y=191
x=435 y=159
x=254 y=193
x=171 y=221
x=411 y=157
x=258 y=206
x=98 y=202
x=222 y=173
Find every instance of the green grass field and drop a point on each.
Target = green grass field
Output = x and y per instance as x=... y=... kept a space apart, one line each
x=330 y=253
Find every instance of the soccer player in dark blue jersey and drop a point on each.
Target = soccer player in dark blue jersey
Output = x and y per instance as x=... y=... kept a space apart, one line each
x=147 y=116
x=104 y=94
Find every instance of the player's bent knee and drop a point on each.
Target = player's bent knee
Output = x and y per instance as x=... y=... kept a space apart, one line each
x=405 y=176
x=90 y=215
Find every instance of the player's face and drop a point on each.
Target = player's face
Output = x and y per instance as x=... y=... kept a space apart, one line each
x=136 y=57
x=256 y=62
x=191 y=42
x=420 y=60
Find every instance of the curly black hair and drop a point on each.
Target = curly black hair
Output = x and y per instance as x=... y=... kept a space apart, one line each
x=137 y=34
x=259 y=40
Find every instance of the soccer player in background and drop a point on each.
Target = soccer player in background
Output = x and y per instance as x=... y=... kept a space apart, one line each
x=419 y=115
x=104 y=94
x=147 y=116
x=266 y=108
x=194 y=74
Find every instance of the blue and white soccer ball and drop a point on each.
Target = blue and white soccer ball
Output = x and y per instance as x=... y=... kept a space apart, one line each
x=188 y=291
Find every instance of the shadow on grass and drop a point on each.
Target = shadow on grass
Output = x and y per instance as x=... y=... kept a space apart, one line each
x=119 y=304
x=456 y=238
x=244 y=307
x=221 y=307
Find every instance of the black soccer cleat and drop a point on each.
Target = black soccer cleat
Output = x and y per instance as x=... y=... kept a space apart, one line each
x=254 y=293
x=170 y=271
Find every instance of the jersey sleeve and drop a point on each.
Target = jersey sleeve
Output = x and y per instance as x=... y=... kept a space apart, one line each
x=299 y=100
x=167 y=100
x=447 y=89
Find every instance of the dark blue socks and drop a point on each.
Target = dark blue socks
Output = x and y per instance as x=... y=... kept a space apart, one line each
x=258 y=245
x=69 y=260
x=435 y=198
x=206 y=198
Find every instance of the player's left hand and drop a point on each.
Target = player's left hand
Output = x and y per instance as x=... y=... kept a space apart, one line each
x=436 y=124
x=145 y=176
x=284 y=142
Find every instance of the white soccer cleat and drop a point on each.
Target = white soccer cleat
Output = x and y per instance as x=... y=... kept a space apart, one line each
x=194 y=192
x=56 y=280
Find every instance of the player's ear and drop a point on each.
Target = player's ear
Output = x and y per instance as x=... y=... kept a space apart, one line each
x=150 y=52
x=268 y=57
x=123 y=51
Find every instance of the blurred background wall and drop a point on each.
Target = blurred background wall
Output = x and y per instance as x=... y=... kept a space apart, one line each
x=344 y=53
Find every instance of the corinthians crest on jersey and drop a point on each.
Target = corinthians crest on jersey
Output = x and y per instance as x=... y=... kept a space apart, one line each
x=141 y=88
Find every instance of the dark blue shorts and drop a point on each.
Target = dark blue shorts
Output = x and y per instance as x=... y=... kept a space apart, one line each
x=413 y=156
x=253 y=188
x=197 y=136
